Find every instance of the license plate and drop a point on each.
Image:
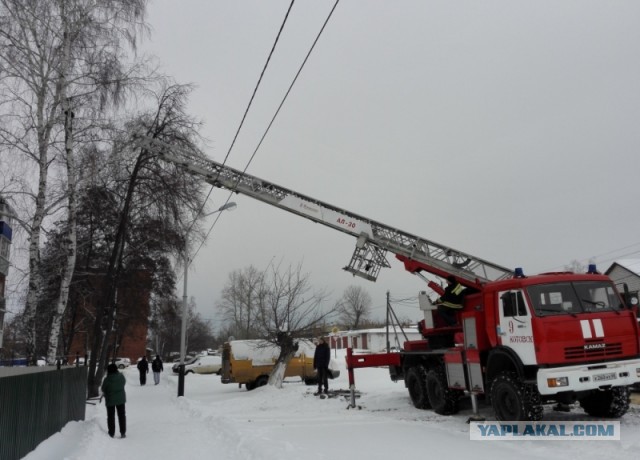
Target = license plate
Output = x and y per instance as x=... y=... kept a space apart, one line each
x=600 y=377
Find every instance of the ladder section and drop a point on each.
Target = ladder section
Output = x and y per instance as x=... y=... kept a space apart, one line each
x=373 y=238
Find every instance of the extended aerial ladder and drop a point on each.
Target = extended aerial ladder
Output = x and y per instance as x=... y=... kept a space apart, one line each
x=374 y=239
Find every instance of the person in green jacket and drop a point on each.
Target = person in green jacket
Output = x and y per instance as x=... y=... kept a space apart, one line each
x=115 y=399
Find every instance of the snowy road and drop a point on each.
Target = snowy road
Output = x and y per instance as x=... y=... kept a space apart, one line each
x=224 y=422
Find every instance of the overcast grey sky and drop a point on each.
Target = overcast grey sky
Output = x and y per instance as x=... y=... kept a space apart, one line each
x=505 y=129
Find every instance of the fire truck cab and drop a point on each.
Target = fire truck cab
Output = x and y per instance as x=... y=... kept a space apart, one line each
x=527 y=341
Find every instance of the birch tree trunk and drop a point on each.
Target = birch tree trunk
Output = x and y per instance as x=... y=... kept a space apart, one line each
x=35 y=280
x=46 y=106
x=70 y=242
x=277 y=374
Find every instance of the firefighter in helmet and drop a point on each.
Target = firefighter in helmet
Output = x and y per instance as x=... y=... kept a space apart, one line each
x=450 y=301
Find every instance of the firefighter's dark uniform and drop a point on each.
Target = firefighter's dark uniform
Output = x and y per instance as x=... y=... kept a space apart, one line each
x=451 y=301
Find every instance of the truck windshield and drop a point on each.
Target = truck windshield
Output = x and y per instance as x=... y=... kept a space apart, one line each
x=572 y=298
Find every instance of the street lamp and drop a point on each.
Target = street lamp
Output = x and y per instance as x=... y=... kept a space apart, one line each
x=183 y=331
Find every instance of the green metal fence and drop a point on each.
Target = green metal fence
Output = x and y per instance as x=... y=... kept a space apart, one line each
x=36 y=403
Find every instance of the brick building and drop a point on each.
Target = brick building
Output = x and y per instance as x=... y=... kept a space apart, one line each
x=129 y=336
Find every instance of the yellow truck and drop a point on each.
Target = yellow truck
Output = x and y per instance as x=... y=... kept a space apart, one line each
x=249 y=363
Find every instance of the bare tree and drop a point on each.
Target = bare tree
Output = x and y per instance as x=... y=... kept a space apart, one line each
x=354 y=308
x=576 y=267
x=93 y=74
x=30 y=112
x=199 y=332
x=152 y=188
x=286 y=311
x=166 y=323
x=56 y=59
x=242 y=298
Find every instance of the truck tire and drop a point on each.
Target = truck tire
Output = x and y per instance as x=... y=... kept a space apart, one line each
x=611 y=403
x=250 y=385
x=514 y=400
x=416 y=382
x=261 y=381
x=443 y=400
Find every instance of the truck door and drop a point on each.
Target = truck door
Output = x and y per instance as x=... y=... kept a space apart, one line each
x=515 y=329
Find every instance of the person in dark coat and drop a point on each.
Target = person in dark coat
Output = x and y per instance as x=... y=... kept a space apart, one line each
x=143 y=368
x=451 y=301
x=321 y=359
x=115 y=399
x=156 y=367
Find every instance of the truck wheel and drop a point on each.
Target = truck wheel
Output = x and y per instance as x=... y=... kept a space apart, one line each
x=443 y=400
x=613 y=402
x=416 y=384
x=262 y=381
x=514 y=400
x=250 y=385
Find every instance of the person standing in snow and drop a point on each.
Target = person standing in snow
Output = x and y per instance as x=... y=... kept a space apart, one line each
x=143 y=368
x=321 y=359
x=115 y=399
x=156 y=367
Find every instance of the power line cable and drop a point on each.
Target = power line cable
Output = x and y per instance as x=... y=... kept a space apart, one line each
x=273 y=119
x=255 y=90
x=620 y=249
x=608 y=253
x=620 y=256
x=244 y=116
x=278 y=109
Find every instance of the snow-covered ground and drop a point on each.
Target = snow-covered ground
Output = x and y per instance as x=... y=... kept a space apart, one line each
x=221 y=421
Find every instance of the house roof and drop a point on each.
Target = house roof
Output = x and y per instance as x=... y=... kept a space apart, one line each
x=381 y=330
x=633 y=265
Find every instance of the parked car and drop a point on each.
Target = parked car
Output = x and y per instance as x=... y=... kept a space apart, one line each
x=122 y=362
x=200 y=365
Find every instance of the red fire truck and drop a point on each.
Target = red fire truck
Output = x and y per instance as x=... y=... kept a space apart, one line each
x=522 y=341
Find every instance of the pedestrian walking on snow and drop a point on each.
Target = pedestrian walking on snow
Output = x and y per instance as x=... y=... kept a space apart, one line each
x=115 y=399
x=143 y=368
x=156 y=367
